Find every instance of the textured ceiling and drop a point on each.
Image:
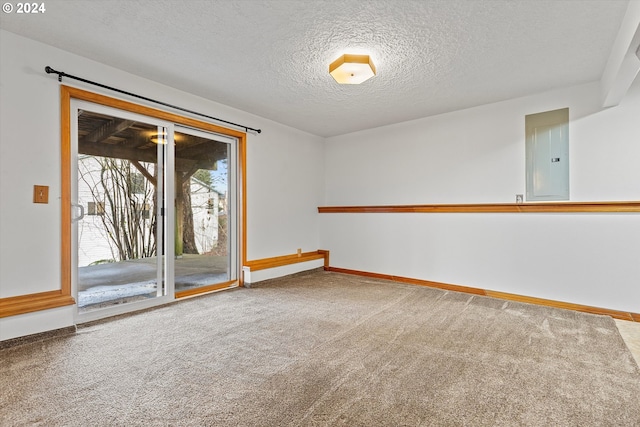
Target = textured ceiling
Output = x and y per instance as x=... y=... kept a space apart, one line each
x=271 y=58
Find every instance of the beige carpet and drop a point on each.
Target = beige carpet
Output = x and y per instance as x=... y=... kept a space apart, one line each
x=328 y=349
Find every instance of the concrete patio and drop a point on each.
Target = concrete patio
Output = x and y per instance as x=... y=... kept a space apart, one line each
x=114 y=283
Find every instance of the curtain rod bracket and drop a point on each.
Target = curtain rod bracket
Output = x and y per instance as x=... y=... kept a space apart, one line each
x=61 y=74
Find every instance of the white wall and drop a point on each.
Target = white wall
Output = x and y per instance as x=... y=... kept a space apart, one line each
x=284 y=172
x=285 y=184
x=478 y=156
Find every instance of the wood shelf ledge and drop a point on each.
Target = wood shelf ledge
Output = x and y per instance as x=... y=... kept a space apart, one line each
x=22 y=304
x=542 y=207
x=279 y=261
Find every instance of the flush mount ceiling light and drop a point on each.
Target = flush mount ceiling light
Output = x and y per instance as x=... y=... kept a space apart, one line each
x=352 y=69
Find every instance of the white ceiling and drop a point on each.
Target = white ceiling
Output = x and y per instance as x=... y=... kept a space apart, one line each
x=271 y=58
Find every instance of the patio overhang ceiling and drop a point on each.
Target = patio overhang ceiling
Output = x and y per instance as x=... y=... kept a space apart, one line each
x=113 y=137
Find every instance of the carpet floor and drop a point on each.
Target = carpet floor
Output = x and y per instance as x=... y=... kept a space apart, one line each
x=320 y=349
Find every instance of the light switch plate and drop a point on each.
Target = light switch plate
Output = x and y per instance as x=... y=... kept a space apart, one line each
x=40 y=194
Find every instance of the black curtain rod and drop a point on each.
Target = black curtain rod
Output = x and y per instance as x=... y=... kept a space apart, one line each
x=62 y=74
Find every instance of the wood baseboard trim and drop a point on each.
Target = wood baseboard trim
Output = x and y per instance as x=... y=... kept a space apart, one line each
x=543 y=207
x=279 y=261
x=622 y=315
x=23 y=304
x=411 y=281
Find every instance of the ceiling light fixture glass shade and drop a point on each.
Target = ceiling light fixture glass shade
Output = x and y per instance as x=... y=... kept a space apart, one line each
x=352 y=69
x=159 y=137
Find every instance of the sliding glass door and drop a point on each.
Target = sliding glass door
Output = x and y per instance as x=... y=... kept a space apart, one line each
x=153 y=211
x=203 y=210
x=119 y=201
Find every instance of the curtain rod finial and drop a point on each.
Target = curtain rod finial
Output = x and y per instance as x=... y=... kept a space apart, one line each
x=50 y=70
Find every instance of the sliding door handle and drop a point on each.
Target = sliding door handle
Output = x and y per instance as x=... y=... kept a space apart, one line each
x=79 y=217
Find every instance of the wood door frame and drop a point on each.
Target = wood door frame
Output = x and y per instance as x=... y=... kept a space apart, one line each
x=63 y=297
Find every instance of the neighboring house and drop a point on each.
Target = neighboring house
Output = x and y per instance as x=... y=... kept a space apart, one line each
x=207 y=205
x=94 y=244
